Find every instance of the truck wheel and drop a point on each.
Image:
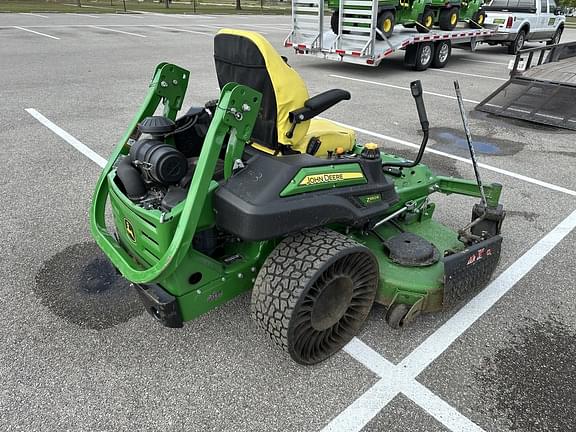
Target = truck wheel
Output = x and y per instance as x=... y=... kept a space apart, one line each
x=385 y=24
x=556 y=38
x=442 y=51
x=426 y=21
x=478 y=19
x=518 y=43
x=334 y=21
x=314 y=292
x=448 y=18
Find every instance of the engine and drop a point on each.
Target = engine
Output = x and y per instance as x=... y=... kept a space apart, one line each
x=158 y=169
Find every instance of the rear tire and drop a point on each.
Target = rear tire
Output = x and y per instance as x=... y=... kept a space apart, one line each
x=518 y=43
x=426 y=21
x=448 y=18
x=314 y=292
x=442 y=51
x=478 y=20
x=556 y=38
x=385 y=24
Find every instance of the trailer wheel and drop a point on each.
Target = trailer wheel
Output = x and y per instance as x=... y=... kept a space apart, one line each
x=442 y=51
x=419 y=56
x=334 y=21
x=385 y=24
x=314 y=292
x=478 y=20
x=448 y=18
x=426 y=21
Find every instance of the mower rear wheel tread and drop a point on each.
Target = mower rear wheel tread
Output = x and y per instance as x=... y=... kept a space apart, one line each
x=287 y=276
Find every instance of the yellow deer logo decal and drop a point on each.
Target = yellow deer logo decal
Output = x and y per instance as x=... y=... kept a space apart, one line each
x=130 y=230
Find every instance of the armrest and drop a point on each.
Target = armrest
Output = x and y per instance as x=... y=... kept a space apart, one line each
x=318 y=104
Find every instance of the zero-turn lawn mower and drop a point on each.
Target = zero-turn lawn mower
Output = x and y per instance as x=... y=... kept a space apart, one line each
x=252 y=191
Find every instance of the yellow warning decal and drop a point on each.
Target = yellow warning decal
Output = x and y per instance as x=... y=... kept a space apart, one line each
x=330 y=178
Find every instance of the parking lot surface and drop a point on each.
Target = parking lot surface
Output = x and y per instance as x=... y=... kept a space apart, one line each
x=79 y=353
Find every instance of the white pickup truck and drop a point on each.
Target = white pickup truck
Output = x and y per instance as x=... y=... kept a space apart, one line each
x=519 y=21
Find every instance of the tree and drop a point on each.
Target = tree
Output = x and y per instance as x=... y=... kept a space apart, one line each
x=238 y=6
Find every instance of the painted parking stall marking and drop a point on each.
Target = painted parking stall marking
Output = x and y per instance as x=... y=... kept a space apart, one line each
x=461 y=159
x=35 y=32
x=117 y=31
x=401 y=378
x=398 y=87
x=180 y=30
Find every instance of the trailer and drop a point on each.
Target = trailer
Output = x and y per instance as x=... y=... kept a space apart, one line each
x=359 y=40
x=541 y=89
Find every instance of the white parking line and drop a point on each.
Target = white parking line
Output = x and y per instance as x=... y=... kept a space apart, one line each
x=468 y=74
x=441 y=339
x=83 y=15
x=33 y=14
x=439 y=408
x=35 y=32
x=483 y=61
x=461 y=159
x=117 y=31
x=85 y=150
x=177 y=15
x=257 y=27
x=401 y=378
x=217 y=27
x=399 y=87
x=181 y=30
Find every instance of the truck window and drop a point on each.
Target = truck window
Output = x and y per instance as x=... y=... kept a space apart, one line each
x=551 y=6
x=543 y=6
x=512 y=5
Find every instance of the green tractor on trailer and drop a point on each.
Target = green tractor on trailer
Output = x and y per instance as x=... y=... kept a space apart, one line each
x=252 y=192
x=422 y=14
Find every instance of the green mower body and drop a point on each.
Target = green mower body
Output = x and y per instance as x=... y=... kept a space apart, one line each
x=421 y=14
x=250 y=220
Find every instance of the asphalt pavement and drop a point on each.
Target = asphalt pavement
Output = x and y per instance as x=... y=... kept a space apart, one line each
x=78 y=351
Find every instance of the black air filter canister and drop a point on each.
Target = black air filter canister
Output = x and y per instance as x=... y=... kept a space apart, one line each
x=164 y=163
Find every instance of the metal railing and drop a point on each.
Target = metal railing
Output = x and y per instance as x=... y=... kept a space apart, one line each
x=555 y=53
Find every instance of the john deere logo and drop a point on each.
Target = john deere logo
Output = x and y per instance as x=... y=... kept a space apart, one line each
x=330 y=178
x=129 y=230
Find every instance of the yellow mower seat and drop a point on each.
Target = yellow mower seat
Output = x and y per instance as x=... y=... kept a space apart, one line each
x=247 y=58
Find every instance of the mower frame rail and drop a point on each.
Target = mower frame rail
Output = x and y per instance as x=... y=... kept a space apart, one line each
x=232 y=117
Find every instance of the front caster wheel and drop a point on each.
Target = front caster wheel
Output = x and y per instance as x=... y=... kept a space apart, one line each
x=314 y=292
x=395 y=315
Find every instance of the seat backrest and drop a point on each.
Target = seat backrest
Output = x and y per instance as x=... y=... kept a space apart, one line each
x=247 y=58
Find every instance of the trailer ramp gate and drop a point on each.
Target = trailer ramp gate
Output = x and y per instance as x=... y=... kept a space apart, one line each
x=544 y=93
